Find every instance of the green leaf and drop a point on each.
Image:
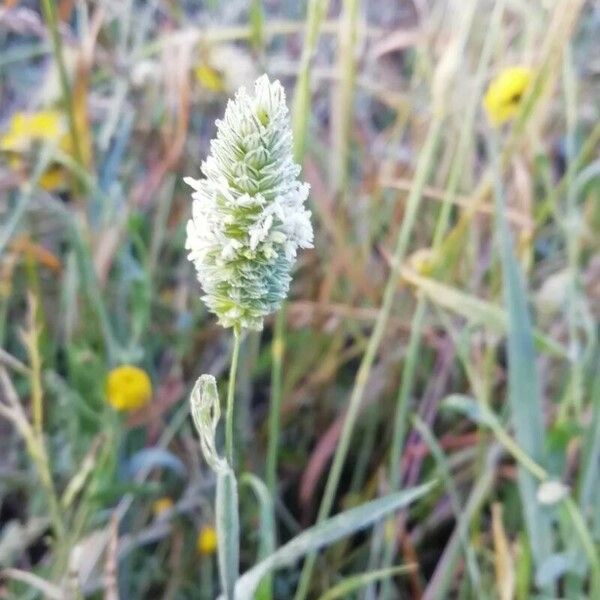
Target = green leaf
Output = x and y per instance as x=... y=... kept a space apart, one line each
x=484 y=416
x=316 y=11
x=476 y=311
x=471 y=409
x=266 y=529
x=228 y=530
x=348 y=585
x=257 y=24
x=326 y=533
x=524 y=392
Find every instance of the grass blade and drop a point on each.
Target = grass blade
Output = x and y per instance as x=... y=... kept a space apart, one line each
x=350 y=584
x=342 y=97
x=266 y=545
x=475 y=310
x=439 y=583
x=228 y=530
x=326 y=533
x=444 y=470
x=301 y=105
x=257 y=25
x=524 y=392
x=590 y=476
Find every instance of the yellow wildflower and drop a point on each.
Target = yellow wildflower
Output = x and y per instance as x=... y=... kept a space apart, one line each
x=161 y=505
x=224 y=68
x=128 y=388
x=207 y=541
x=42 y=126
x=209 y=78
x=24 y=128
x=504 y=94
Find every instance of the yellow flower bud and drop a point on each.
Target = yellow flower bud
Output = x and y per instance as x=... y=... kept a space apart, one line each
x=128 y=388
x=504 y=94
x=206 y=543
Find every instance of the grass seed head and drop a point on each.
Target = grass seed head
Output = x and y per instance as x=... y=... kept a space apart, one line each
x=248 y=214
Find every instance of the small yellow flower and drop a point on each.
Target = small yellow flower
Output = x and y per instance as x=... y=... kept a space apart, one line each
x=24 y=128
x=161 y=505
x=209 y=78
x=27 y=128
x=207 y=541
x=504 y=94
x=128 y=388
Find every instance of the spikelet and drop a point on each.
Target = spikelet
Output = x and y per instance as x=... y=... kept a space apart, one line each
x=248 y=215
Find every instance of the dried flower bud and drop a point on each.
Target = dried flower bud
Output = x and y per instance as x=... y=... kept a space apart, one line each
x=248 y=216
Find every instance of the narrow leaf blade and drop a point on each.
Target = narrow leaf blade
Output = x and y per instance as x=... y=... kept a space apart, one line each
x=326 y=533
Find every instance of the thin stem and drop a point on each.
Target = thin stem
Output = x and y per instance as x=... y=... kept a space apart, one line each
x=315 y=14
x=231 y=397
x=455 y=502
x=572 y=240
x=35 y=360
x=277 y=352
x=342 y=97
x=589 y=547
x=440 y=581
x=49 y=9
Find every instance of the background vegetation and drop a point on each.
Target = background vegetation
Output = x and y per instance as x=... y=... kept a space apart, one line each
x=405 y=348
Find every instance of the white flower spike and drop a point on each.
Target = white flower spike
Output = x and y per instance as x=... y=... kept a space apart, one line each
x=248 y=215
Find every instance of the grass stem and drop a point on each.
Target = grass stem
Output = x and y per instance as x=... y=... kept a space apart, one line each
x=231 y=398
x=49 y=10
x=277 y=353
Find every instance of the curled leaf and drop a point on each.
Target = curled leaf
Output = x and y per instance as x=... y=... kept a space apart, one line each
x=206 y=412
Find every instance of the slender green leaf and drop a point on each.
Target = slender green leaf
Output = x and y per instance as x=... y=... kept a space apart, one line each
x=257 y=24
x=326 y=533
x=444 y=469
x=315 y=13
x=524 y=392
x=476 y=311
x=441 y=580
x=482 y=415
x=590 y=474
x=343 y=98
x=228 y=530
x=350 y=584
x=266 y=544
